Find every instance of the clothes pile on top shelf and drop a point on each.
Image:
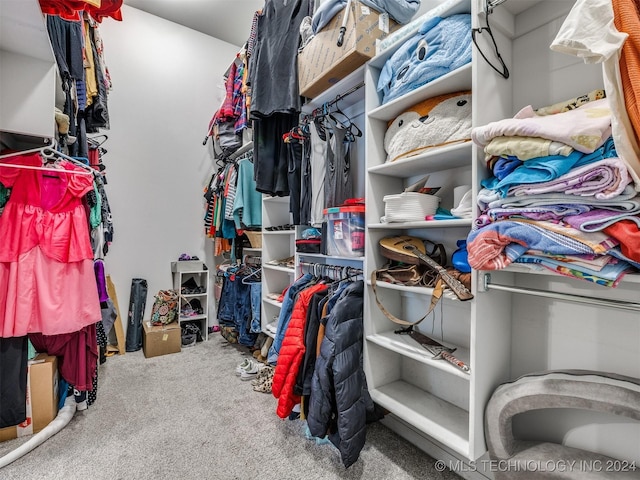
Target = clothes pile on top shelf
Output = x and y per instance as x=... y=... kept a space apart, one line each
x=440 y=46
x=317 y=354
x=561 y=199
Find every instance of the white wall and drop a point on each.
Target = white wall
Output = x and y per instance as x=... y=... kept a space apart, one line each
x=167 y=83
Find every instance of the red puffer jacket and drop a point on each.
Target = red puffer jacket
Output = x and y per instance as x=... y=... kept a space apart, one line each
x=292 y=353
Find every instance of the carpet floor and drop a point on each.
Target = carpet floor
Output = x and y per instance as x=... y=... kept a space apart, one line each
x=188 y=416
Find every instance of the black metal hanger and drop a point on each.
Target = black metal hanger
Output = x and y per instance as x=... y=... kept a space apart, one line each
x=488 y=9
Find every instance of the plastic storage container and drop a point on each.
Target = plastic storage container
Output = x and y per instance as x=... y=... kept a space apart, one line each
x=345 y=231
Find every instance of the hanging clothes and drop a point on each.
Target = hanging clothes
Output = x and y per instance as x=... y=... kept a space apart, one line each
x=275 y=96
x=338 y=185
x=45 y=253
x=317 y=160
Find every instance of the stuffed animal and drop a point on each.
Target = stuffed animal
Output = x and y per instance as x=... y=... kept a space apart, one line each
x=434 y=122
x=440 y=46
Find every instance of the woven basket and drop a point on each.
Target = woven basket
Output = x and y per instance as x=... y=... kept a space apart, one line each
x=255 y=238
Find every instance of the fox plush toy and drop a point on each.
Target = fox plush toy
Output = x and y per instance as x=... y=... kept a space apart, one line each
x=436 y=121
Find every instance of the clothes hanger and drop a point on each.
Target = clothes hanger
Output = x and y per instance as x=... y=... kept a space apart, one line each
x=47 y=154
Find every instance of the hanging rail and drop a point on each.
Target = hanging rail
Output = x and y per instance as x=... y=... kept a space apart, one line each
x=570 y=297
x=326 y=269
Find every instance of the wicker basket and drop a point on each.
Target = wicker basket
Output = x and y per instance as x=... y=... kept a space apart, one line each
x=255 y=238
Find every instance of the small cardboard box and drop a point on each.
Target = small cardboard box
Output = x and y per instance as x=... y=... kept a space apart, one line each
x=322 y=63
x=42 y=397
x=161 y=339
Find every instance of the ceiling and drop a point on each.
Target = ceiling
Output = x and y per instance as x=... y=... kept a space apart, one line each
x=228 y=20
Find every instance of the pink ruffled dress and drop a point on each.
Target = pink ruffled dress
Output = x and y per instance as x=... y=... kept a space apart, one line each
x=47 y=280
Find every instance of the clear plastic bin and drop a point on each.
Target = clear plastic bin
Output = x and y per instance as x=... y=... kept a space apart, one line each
x=345 y=231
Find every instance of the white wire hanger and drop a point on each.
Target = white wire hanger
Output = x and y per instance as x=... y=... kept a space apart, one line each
x=48 y=153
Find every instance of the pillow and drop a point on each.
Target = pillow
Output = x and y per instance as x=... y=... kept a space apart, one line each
x=434 y=122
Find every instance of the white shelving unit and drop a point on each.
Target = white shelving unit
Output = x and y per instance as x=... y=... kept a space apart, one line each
x=185 y=271
x=28 y=74
x=500 y=335
x=276 y=245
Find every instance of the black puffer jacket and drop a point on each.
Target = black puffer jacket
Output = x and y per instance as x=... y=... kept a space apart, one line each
x=340 y=402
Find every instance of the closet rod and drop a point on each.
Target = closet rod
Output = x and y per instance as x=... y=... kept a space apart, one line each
x=243 y=149
x=353 y=89
x=570 y=297
x=328 y=267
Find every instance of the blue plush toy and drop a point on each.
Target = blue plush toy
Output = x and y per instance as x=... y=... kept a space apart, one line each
x=440 y=46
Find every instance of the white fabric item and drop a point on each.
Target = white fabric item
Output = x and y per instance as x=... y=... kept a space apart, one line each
x=589 y=33
x=464 y=208
x=62 y=419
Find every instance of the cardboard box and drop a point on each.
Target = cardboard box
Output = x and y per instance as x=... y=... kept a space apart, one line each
x=161 y=339
x=322 y=63
x=42 y=397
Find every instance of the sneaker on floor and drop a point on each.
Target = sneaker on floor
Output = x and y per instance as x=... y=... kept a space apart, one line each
x=251 y=372
x=245 y=364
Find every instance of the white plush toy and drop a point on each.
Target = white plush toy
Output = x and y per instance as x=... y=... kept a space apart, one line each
x=434 y=122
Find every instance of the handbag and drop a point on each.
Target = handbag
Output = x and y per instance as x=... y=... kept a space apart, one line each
x=165 y=307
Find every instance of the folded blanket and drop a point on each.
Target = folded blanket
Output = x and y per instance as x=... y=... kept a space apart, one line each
x=551 y=167
x=585 y=128
x=609 y=276
x=592 y=262
x=525 y=148
x=625 y=202
x=598 y=219
x=550 y=212
x=626 y=232
x=604 y=179
x=440 y=46
x=499 y=244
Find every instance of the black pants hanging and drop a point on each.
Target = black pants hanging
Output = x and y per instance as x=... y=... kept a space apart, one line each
x=13 y=381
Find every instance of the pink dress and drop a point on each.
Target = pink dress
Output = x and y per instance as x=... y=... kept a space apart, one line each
x=47 y=280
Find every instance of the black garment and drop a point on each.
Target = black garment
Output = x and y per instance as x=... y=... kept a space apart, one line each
x=338 y=184
x=66 y=41
x=305 y=183
x=274 y=63
x=270 y=153
x=340 y=401
x=312 y=325
x=13 y=381
x=294 y=175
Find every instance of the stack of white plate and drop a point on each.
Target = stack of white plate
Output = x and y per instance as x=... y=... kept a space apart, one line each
x=409 y=207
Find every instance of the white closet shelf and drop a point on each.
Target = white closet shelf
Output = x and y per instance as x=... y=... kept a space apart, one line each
x=320 y=256
x=457 y=80
x=437 y=418
x=461 y=222
x=278 y=269
x=533 y=269
x=193 y=317
x=194 y=295
x=405 y=345
x=275 y=200
x=434 y=160
x=407 y=290
x=279 y=232
x=275 y=303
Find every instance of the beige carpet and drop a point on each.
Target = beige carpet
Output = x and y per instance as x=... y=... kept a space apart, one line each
x=187 y=416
